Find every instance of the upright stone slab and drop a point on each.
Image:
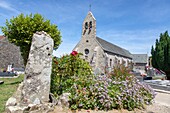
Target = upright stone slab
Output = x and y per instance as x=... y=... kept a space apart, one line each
x=36 y=87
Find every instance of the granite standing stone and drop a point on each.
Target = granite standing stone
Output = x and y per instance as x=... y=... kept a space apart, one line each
x=36 y=87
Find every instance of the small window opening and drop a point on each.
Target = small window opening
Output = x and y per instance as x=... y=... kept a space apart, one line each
x=110 y=62
x=87 y=41
x=90 y=25
x=86 y=51
x=86 y=27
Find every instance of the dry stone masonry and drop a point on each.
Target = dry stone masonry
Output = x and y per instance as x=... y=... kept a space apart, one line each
x=33 y=93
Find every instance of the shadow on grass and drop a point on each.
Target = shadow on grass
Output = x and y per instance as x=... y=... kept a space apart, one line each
x=13 y=83
x=17 y=82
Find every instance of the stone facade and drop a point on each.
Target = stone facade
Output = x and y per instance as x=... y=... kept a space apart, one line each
x=140 y=61
x=98 y=52
x=9 y=54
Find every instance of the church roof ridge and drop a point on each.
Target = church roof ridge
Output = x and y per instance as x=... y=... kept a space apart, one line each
x=112 y=48
x=90 y=13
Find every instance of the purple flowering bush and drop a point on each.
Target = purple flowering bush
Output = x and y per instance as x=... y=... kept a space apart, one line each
x=131 y=93
x=105 y=93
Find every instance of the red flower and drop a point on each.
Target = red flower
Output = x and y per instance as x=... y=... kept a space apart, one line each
x=56 y=62
x=74 y=53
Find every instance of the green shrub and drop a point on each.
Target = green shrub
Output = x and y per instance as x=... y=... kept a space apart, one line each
x=68 y=70
x=120 y=73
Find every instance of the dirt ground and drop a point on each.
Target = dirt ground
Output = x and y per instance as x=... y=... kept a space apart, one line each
x=161 y=105
x=155 y=108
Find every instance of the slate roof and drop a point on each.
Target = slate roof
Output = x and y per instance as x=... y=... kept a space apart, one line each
x=109 y=47
x=140 y=58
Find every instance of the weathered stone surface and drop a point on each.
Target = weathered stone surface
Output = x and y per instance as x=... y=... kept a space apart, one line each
x=52 y=99
x=16 y=109
x=32 y=95
x=38 y=70
x=31 y=108
x=18 y=93
x=64 y=100
x=11 y=101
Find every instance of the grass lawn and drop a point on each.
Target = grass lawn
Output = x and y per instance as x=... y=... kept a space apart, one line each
x=7 y=89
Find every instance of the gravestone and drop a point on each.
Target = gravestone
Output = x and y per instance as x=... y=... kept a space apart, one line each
x=36 y=87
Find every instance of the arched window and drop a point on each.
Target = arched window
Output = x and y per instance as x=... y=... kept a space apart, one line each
x=86 y=25
x=86 y=51
x=90 y=25
x=110 y=62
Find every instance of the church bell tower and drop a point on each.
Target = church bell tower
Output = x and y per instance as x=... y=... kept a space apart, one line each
x=88 y=43
x=89 y=27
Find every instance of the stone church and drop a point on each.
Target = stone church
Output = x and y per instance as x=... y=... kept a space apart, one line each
x=98 y=52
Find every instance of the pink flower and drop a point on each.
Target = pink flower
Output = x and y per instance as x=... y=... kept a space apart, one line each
x=74 y=53
x=84 y=89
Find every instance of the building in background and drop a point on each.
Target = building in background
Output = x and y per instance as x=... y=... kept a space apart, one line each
x=9 y=54
x=98 y=52
x=140 y=61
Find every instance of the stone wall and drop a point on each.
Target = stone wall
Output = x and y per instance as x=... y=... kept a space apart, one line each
x=9 y=54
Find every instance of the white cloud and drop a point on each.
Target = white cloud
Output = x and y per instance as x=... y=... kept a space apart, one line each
x=136 y=41
x=8 y=6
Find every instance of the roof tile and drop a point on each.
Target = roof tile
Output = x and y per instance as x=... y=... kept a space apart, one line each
x=109 y=47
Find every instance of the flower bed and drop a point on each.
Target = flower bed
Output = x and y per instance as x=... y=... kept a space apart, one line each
x=114 y=91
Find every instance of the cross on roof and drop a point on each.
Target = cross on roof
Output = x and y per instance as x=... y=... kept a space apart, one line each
x=90 y=7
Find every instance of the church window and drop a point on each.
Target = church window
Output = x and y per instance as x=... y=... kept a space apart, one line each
x=110 y=62
x=90 y=25
x=87 y=40
x=86 y=51
x=86 y=25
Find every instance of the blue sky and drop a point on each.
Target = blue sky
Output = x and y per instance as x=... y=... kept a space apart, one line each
x=130 y=24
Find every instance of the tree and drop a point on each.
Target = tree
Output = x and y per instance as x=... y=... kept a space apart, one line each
x=161 y=54
x=20 y=29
